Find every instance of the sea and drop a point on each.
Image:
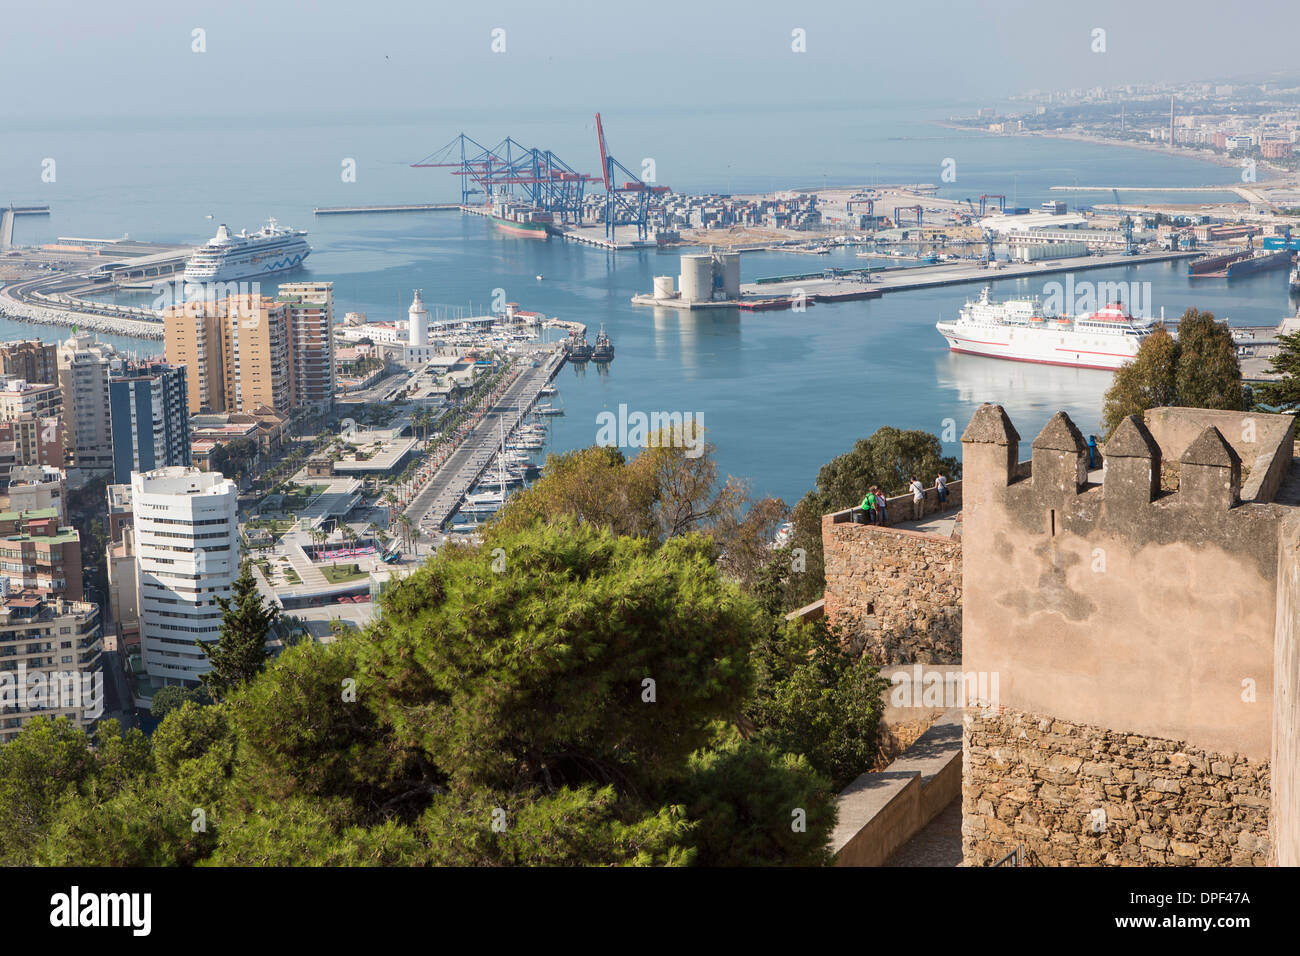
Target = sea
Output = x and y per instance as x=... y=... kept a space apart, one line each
x=780 y=393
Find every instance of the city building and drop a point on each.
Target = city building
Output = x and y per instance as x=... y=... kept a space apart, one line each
x=38 y=552
x=36 y=487
x=21 y=399
x=150 y=419
x=30 y=360
x=123 y=618
x=312 y=369
x=36 y=440
x=237 y=350
x=85 y=367
x=186 y=540
x=50 y=661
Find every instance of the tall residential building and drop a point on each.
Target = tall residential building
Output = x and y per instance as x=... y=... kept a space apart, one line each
x=150 y=419
x=186 y=556
x=59 y=640
x=311 y=342
x=239 y=349
x=84 y=370
x=31 y=360
x=38 y=552
x=21 y=399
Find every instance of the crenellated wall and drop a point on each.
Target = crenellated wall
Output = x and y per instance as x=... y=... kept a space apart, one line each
x=1120 y=609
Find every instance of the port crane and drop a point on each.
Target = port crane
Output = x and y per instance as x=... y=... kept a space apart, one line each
x=512 y=171
x=628 y=204
x=899 y=210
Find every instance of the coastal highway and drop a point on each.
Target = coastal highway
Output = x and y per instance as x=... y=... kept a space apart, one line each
x=435 y=502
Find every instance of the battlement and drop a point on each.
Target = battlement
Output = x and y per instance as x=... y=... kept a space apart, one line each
x=1176 y=474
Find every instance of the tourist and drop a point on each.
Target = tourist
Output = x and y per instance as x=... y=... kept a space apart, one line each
x=882 y=515
x=1092 y=451
x=918 y=497
x=941 y=491
x=868 y=508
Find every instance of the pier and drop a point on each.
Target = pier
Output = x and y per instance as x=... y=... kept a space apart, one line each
x=405 y=207
x=438 y=500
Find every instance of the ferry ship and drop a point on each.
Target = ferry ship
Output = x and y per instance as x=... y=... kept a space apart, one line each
x=226 y=257
x=1018 y=331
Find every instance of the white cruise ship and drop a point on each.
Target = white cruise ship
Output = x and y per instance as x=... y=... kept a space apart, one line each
x=1017 y=330
x=227 y=257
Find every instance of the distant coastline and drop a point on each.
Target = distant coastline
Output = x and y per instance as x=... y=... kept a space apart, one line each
x=1214 y=159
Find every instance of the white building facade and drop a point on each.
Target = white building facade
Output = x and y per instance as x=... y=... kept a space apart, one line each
x=186 y=556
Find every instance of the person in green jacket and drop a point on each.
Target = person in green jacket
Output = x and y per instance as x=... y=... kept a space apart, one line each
x=869 y=506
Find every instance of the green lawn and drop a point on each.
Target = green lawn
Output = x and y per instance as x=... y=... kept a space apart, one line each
x=342 y=573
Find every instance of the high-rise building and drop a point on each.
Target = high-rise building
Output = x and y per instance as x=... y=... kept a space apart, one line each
x=59 y=640
x=20 y=399
x=31 y=360
x=85 y=367
x=311 y=342
x=239 y=349
x=186 y=556
x=151 y=419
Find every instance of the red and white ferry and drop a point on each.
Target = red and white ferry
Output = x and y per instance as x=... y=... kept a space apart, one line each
x=1017 y=330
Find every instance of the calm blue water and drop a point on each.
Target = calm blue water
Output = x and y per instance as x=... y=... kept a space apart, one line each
x=780 y=393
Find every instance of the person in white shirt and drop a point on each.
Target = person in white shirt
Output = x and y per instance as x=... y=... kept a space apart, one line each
x=918 y=497
x=941 y=490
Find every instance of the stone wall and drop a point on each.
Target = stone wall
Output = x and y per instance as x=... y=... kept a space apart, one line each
x=895 y=594
x=1039 y=782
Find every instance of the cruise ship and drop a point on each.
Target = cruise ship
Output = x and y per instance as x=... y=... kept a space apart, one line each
x=228 y=257
x=1017 y=330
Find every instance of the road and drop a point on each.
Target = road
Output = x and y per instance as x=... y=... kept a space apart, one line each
x=435 y=502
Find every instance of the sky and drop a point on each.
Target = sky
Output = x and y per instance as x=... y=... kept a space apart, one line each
x=88 y=61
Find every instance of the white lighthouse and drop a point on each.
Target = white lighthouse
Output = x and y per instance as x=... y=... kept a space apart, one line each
x=418 y=323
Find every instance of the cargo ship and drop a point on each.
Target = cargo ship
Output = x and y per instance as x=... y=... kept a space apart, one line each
x=527 y=224
x=1018 y=331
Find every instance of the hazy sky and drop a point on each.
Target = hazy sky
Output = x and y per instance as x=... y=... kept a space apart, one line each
x=64 y=60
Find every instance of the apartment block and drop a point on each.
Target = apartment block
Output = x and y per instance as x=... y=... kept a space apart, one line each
x=239 y=349
x=30 y=360
x=85 y=367
x=186 y=540
x=50 y=661
x=37 y=487
x=150 y=419
x=39 y=553
x=312 y=369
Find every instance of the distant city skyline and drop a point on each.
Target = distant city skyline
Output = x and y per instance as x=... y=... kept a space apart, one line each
x=137 y=58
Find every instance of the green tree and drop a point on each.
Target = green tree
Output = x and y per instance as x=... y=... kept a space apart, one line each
x=888 y=458
x=1284 y=393
x=46 y=761
x=167 y=699
x=240 y=652
x=1198 y=369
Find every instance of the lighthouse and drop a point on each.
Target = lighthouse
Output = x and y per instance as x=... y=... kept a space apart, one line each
x=418 y=324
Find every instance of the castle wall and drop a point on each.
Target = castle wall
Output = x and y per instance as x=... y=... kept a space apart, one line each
x=895 y=594
x=1286 y=701
x=1076 y=794
x=1132 y=634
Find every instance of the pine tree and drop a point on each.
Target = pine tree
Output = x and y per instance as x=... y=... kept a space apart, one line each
x=1284 y=393
x=240 y=653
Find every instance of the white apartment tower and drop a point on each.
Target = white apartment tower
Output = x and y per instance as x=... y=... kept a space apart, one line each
x=84 y=370
x=186 y=556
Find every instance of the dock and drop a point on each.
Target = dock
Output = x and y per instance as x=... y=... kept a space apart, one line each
x=438 y=500
x=402 y=207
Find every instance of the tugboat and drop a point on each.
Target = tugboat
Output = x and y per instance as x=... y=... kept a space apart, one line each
x=579 y=350
x=604 y=349
x=1295 y=280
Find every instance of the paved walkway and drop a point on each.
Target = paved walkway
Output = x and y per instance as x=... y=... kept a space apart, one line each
x=938 y=844
x=941 y=523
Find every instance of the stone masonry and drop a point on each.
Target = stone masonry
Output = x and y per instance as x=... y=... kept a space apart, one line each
x=895 y=594
x=1074 y=795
